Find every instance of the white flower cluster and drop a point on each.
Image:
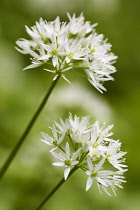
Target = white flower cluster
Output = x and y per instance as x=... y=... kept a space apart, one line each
x=89 y=147
x=64 y=46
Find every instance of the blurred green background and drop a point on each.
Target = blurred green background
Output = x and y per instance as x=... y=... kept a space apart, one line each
x=31 y=175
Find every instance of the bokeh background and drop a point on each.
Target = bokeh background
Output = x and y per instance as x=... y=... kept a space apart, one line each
x=31 y=175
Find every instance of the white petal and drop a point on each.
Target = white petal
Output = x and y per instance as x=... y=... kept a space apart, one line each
x=66 y=173
x=67 y=150
x=75 y=155
x=90 y=165
x=45 y=57
x=74 y=163
x=66 y=69
x=61 y=138
x=89 y=182
x=88 y=173
x=21 y=51
x=46 y=142
x=47 y=48
x=34 y=65
x=99 y=165
x=101 y=181
x=55 y=77
x=104 y=188
x=58 y=164
x=55 y=60
x=54 y=132
x=52 y=71
x=58 y=156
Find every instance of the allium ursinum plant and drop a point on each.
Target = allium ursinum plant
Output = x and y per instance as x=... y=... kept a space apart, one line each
x=75 y=143
x=65 y=46
x=68 y=46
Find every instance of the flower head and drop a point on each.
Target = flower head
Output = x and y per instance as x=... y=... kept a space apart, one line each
x=88 y=147
x=65 y=46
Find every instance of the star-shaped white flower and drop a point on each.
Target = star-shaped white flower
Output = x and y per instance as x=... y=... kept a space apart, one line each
x=79 y=128
x=74 y=51
x=68 y=160
x=54 y=50
x=104 y=178
x=93 y=173
x=114 y=155
x=56 y=140
x=100 y=133
x=63 y=126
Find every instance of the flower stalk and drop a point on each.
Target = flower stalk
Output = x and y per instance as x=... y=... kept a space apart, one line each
x=55 y=189
x=27 y=130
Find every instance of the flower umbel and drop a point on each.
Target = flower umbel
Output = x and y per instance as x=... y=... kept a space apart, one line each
x=66 y=46
x=88 y=147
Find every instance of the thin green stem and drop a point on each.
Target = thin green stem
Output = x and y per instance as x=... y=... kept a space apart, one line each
x=71 y=141
x=83 y=168
x=28 y=128
x=80 y=67
x=55 y=189
x=85 y=162
x=61 y=149
x=49 y=63
x=83 y=156
x=79 y=74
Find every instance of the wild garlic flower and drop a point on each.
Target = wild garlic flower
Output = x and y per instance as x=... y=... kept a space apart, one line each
x=69 y=46
x=67 y=161
x=55 y=140
x=75 y=143
x=104 y=178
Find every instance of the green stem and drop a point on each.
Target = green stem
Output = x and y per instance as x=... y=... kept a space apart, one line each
x=49 y=63
x=61 y=149
x=85 y=162
x=79 y=74
x=28 y=128
x=80 y=67
x=71 y=141
x=55 y=189
x=84 y=155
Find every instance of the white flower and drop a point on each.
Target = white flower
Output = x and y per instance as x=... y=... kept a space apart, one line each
x=38 y=31
x=101 y=132
x=93 y=172
x=114 y=155
x=79 y=128
x=54 y=50
x=88 y=147
x=66 y=161
x=55 y=27
x=99 y=49
x=99 y=61
x=56 y=140
x=63 y=126
x=111 y=179
x=74 y=51
x=104 y=178
x=27 y=47
x=99 y=140
x=65 y=46
x=79 y=26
